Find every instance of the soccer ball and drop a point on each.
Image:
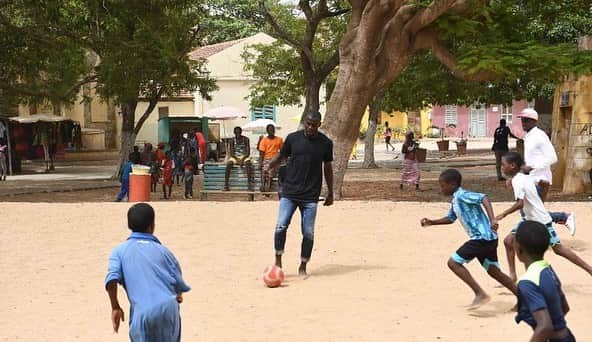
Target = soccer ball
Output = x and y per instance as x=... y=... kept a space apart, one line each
x=273 y=276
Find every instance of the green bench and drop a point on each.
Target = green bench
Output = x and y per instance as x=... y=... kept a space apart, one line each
x=213 y=181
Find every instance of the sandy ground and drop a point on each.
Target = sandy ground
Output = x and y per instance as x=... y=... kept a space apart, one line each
x=375 y=274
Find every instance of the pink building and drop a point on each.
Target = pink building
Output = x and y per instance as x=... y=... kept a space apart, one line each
x=477 y=120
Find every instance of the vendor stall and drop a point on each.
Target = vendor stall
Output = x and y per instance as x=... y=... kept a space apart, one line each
x=38 y=136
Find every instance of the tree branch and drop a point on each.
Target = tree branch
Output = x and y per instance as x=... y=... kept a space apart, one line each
x=329 y=65
x=427 y=40
x=427 y=16
x=305 y=7
x=153 y=101
x=278 y=30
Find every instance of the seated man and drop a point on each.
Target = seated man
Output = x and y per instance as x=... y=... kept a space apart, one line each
x=240 y=152
x=269 y=147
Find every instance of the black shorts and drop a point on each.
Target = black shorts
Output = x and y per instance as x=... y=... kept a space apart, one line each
x=387 y=140
x=484 y=250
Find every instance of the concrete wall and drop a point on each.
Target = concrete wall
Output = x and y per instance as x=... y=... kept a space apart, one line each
x=572 y=136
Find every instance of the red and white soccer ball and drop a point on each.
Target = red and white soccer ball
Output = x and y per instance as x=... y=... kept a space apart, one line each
x=273 y=276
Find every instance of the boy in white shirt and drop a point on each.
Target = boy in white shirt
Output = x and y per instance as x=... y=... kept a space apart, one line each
x=539 y=155
x=533 y=209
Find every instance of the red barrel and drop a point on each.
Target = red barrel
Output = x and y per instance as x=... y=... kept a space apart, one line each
x=139 y=188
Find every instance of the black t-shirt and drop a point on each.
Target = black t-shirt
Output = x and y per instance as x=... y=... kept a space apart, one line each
x=500 y=138
x=304 y=172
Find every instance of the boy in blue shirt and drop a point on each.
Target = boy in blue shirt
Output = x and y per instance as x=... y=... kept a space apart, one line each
x=151 y=277
x=481 y=228
x=541 y=302
x=125 y=174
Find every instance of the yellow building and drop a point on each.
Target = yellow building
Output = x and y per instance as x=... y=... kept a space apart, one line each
x=400 y=123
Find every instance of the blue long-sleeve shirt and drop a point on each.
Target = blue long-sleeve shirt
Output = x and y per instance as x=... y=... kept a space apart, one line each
x=152 y=278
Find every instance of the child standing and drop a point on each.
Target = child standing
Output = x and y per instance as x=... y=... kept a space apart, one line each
x=154 y=175
x=3 y=170
x=481 y=228
x=533 y=209
x=178 y=160
x=167 y=174
x=188 y=177
x=410 y=173
x=541 y=302
x=152 y=279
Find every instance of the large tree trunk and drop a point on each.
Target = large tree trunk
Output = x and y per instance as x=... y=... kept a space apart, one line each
x=312 y=101
x=128 y=136
x=375 y=106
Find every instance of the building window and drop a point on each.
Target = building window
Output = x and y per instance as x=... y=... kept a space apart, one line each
x=451 y=115
x=506 y=114
x=265 y=112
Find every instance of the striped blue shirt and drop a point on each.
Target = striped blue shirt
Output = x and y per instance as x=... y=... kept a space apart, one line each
x=466 y=206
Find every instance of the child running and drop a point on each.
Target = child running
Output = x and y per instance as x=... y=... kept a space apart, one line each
x=533 y=209
x=152 y=279
x=481 y=228
x=541 y=302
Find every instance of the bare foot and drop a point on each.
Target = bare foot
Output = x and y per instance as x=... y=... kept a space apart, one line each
x=479 y=301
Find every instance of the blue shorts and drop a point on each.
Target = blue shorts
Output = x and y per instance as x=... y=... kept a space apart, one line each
x=485 y=251
x=552 y=233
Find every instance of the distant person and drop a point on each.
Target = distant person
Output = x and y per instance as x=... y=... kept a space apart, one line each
x=178 y=172
x=3 y=169
x=201 y=145
x=310 y=155
x=188 y=177
x=481 y=226
x=269 y=147
x=136 y=155
x=154 y=175
x=147 y=155
x=240 y=154
x=500 y=146
x=159 y=154
x=125 y=177
x=167 y=175
x=529 y=201
x=541 y=301
x=151 y=277
x=539 y=155
x=410 y=173
x=388 y=134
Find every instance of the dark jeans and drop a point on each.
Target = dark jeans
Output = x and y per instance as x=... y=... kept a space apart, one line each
x=498 y=162
x=188 y=183
x=308 y=214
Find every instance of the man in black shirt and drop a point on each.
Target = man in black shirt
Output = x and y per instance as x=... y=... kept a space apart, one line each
x=309 y=154
x=500 y=146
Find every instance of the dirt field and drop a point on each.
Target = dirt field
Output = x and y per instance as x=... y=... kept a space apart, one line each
x=375 y=274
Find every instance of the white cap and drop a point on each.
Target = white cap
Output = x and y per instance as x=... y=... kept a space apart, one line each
x=529 y=113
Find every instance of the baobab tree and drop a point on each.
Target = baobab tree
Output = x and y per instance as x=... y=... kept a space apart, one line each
x=475 y=40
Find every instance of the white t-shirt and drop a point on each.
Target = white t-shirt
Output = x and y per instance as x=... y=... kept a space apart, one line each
x=539 y=154
x=525 y=189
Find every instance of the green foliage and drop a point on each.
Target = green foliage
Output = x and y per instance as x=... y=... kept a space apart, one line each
x=226 y=20
x=279 y=68
x=129 y=48
x=278 y=71
x=529 y=44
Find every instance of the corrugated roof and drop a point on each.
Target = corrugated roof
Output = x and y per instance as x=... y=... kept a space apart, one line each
x=205 y=52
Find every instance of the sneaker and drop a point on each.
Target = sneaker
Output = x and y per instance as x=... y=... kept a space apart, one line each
x=571 y=224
